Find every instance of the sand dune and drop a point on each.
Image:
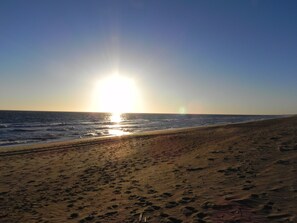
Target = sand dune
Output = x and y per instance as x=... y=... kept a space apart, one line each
x=232 y=173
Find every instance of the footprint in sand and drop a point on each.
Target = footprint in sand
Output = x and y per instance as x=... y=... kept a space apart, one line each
x=171 y=204
x=188 y=211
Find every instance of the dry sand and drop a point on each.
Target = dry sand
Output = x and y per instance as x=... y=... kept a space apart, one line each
x=232 y=173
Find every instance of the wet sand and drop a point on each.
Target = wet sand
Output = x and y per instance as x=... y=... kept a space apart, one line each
x=233 y=173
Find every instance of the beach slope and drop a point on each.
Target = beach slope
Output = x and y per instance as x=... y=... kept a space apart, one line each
x=232 y=173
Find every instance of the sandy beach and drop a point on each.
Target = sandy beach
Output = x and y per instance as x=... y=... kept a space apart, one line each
x=233 y=173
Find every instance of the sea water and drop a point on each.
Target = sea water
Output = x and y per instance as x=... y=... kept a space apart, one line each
x=24 y=127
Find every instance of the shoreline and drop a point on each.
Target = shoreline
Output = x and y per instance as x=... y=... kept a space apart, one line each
x=96 y=140
x=243 y=172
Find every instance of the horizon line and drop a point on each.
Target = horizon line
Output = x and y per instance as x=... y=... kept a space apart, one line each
x=157 y=113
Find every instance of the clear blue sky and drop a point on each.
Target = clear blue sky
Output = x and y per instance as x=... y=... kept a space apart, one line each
x=193 y=56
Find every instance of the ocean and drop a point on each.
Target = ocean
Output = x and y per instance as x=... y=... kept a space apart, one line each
x=30 y=127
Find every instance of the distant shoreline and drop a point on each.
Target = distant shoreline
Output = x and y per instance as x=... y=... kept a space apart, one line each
x=45 y=146
x=29 y=128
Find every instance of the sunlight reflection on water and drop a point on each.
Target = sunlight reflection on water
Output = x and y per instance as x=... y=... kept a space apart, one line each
x=116 y=117
x=116 y=129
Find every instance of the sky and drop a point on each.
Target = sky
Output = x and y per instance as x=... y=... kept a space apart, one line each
x=201 y=57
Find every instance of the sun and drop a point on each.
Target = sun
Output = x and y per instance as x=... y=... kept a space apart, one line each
x=116 y=94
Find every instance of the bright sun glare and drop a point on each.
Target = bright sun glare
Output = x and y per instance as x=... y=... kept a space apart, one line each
x=116 y=94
